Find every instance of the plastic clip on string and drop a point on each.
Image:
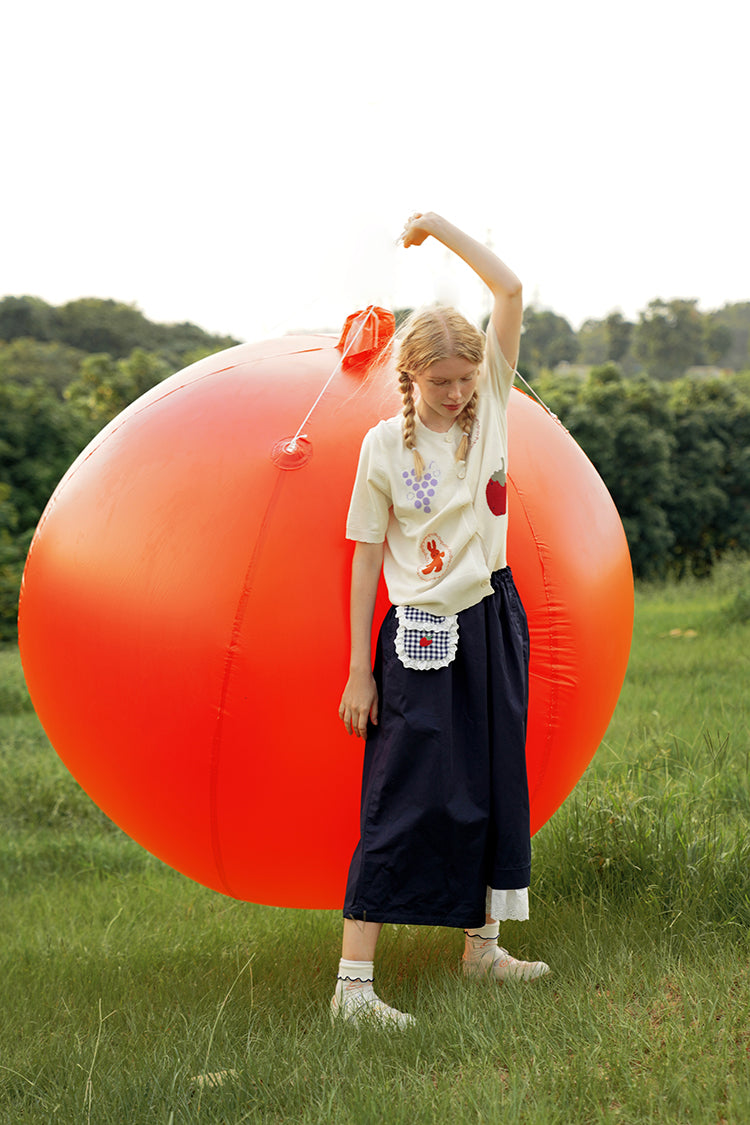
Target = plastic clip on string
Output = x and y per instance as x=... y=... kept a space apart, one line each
x=363 y=337
x=365 y=334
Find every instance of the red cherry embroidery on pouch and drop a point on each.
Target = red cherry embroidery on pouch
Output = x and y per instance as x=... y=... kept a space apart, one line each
x=425 y=640
x=497 y=493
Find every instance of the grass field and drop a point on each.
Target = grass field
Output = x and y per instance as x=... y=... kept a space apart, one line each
x=124 y=983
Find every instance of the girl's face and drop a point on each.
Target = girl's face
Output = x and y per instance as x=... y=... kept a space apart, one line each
x=445 y=387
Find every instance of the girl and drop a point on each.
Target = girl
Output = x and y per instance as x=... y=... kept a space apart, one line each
x=445 y=811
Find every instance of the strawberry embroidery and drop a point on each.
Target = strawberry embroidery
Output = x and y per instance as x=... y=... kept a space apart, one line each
x=425 y=640
x=496 y=492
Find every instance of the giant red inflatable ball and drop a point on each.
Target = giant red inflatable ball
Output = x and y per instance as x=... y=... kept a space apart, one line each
x=184 y=612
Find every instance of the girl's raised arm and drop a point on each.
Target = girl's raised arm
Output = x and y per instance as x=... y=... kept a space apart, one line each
x=507 y=309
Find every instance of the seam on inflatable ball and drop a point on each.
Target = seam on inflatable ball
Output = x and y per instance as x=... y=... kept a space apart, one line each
x=72 y=471
x=216 y=746
x=105 y=434
x=113 y=428
x=553 y=646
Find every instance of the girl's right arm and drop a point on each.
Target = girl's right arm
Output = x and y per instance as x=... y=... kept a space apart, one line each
x=505 y=287
x=360 y=699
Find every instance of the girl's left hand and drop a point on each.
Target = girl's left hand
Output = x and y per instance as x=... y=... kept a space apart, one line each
x=359 y=703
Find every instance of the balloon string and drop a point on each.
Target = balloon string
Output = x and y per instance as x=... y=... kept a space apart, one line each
x=369 y=313
x=531 y=390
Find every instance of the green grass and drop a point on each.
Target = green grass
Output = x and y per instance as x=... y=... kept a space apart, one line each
x=123 y=981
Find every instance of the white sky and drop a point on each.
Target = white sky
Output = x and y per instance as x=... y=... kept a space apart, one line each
x=248 y=166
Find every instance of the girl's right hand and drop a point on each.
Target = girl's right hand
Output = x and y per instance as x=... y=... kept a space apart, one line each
x=417 y=228
x=358 y=703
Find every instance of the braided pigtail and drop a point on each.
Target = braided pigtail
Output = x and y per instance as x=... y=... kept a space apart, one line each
x=468 y=414
x=409 y=410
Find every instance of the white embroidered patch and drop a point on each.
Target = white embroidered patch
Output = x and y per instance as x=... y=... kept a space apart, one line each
x=437 y=555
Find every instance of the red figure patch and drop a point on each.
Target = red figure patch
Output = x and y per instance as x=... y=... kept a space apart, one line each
x=437 y=559
x=497 y=493
x=425 y=640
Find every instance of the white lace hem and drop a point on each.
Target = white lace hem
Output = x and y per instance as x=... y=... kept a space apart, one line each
x=508 y=906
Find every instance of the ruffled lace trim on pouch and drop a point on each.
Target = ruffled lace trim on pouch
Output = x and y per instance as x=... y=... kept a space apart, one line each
x=508 y=906
x=423 y=640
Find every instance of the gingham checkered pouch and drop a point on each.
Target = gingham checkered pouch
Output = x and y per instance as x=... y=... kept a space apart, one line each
x=424 y=640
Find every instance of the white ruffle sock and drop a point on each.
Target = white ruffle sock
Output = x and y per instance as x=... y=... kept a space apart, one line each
x=355 y=1000
x=483 y=957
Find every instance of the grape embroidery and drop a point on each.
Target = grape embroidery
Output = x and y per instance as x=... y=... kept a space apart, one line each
x=420 y=492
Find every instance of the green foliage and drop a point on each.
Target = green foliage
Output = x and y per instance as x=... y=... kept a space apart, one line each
x=182 y=344
x=105 y=386
x=592 y=342
x=93 y=325
x=30 y=362
x=39 y=438
x=548 y=339
x=735 y=319
x=622 y=426
x=732 y=576
x=618 y=333
x=669 y=338
x=674 y=456
x=12 y=556
x=717 y=341
x=64 y=373
x=603 y=341
x=710 y=507
x=738 y=613
x=103 y=326
x=27 y=316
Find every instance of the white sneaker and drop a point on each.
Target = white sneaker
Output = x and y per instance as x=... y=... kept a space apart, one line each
x=499 y=964
x=360 y=1007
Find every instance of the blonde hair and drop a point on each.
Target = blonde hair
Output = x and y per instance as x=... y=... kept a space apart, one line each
x=428 y=336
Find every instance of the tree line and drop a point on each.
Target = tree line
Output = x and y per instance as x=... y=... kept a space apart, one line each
x=673 y=448
x=65 y=371
x=667 y=339
x=675 y=457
